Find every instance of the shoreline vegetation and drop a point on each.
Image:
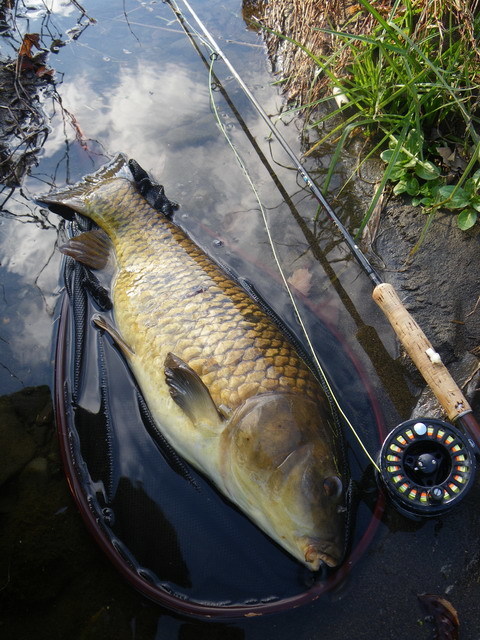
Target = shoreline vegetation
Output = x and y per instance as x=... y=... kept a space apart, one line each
x=403 y=75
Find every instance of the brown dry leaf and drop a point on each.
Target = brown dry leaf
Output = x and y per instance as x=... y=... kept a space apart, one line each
x=27 y=61
x=447 y=154
x=301 y=279
x=452 y=158
x=42 y=71
x=35 y=64
x=444 y=614
x=29 y=40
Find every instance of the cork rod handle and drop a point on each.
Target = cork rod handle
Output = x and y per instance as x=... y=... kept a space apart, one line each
x=421 y=351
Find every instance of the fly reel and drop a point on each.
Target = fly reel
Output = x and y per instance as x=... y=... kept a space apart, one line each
x=427 y=466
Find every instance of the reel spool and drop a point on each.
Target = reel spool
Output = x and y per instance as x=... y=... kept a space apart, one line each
x=427 y=466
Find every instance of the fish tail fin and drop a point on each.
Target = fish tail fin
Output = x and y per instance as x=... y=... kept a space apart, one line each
x=74 y=198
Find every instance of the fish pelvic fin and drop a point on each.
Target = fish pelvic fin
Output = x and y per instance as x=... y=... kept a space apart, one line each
x=103 y=324
x=91 y=248
x=191 y=394
x=74 y=198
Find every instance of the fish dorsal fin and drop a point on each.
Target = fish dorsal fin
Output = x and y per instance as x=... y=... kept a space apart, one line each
x=190 y=393
x=91 y=248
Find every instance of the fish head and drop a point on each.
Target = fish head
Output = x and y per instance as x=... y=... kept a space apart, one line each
x=285 y=458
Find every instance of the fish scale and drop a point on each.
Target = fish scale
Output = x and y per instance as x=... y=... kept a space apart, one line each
x=169 y=296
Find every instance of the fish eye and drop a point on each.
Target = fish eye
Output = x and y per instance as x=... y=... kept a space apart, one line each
x=332 y=485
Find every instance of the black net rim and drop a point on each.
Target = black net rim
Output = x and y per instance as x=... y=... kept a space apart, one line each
x=107 y=544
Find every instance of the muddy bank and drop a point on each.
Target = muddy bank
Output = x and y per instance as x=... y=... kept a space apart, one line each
x=439 y=281
x=439 y=285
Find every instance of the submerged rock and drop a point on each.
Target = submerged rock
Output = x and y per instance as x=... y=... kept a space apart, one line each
x=17 y=446
x=26 y=430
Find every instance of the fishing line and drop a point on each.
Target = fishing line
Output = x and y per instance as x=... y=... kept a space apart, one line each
x=361 y=259
x=215 y=53
x=414 y=448
x=213 y=58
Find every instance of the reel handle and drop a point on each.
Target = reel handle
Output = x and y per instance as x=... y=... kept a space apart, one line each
x=427 y=361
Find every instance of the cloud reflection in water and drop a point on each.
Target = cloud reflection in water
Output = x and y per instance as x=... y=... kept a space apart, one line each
x=160 y=117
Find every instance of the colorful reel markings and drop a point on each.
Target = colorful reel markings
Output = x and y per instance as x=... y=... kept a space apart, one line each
x=426 y=466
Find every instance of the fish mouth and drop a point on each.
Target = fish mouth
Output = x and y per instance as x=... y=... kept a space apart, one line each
x=317 y=553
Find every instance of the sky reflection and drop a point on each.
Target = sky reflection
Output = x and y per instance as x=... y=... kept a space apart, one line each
x=29 y=288
x=38 y=8
x=142 y=92
x=141 y=88
x=148 y=114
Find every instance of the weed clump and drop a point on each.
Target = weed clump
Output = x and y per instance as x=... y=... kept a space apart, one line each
x=407 y=74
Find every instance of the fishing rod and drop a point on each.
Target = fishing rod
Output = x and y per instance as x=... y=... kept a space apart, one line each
x=367 y=337
x=426 y=465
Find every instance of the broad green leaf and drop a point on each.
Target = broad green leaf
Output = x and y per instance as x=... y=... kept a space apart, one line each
x=475 y=203
x=403 y=158
x=445 y=191
x=398 y=174
x=386 y=155
x=400 y=187
x=414 y=142
x=427 y=170
x=429 y=188
x=409 y=161
x=470 y=187
x=476 y=178
x=466 y=219
x=425 y=202
x=412 y=186
x=456 y=197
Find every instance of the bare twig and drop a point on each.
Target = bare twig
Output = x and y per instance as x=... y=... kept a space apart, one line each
x=82 y=10
x=474 y=308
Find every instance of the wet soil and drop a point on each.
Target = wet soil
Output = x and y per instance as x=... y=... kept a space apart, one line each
x=439 y=282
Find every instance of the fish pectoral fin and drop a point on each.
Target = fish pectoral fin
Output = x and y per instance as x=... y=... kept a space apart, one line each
x=103 y=324
x=190 y=393
x=91 y=248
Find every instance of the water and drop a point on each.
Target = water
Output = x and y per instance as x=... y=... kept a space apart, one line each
x=132 y=82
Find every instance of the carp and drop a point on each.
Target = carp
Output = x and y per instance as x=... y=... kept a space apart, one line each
x=223 y=381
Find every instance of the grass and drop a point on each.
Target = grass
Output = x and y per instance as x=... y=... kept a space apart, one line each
x=412 y=85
